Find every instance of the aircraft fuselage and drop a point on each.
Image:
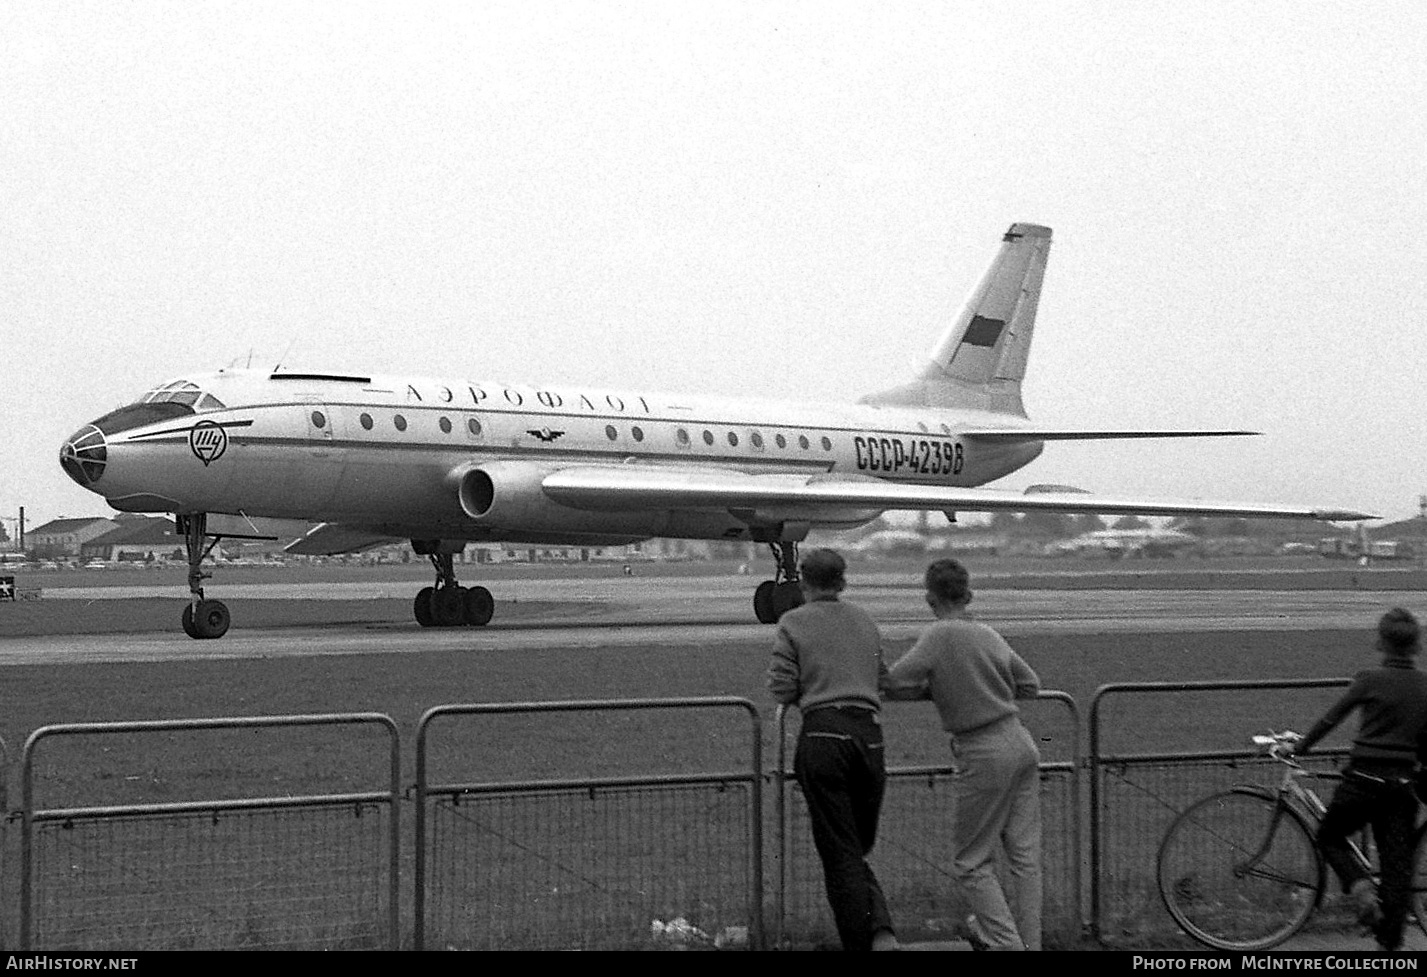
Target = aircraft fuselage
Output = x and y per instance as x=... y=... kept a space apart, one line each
x=388 y=452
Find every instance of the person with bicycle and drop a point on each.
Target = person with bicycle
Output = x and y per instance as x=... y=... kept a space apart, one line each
x=1378 y=783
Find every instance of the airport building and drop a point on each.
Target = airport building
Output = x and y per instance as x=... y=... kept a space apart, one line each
x=66 y=537
x=136 y=540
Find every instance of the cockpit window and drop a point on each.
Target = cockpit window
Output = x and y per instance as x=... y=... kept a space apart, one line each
x=137 y=415
x=182 y=392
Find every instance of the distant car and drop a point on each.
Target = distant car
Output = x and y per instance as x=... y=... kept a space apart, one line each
x=96 y=565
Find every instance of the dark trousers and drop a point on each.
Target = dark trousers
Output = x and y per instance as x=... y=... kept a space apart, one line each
x=1383 y=797
x=842 y=772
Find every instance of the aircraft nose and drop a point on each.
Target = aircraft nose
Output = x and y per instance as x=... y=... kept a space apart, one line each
x=84 y=456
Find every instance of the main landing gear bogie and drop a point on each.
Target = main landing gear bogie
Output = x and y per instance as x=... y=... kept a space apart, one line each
x=453 y=606
x=778 y=596
x=448 y=604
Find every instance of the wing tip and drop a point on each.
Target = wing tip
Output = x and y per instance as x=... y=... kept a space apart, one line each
x=1342 y=515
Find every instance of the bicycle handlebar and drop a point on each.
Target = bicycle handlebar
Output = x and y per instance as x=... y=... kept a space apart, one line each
x=1279 y=745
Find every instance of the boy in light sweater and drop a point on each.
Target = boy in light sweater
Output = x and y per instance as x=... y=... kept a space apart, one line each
x=974 y=678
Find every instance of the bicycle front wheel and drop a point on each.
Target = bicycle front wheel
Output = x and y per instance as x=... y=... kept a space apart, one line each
x=1239 y=870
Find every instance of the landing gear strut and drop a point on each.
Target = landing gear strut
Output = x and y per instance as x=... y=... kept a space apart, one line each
x=778 y=596
x=448 y=604
x=201 y=618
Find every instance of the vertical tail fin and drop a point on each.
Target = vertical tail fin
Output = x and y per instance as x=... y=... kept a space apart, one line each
x=980 y=360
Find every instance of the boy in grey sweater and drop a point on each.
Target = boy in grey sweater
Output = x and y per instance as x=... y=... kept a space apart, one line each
x=974 y=678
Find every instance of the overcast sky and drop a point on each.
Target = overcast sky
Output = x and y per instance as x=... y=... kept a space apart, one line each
x=746 y=199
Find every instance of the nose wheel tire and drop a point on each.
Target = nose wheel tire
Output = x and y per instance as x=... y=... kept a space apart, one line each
x=211 y=621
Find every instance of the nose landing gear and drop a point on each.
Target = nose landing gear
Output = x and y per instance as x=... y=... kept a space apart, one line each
x=778 y=596
x=202 y=618
x=448 y=604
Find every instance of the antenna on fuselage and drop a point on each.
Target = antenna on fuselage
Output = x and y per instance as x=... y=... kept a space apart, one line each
x=283 y=358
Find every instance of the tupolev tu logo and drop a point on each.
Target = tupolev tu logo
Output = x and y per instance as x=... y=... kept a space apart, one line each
x=544 y=434
x=207 y=441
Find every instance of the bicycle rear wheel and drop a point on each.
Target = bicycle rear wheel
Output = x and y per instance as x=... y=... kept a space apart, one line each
x=1239 y=870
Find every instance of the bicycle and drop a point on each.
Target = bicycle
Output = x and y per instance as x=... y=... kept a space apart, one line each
x=1242 y=870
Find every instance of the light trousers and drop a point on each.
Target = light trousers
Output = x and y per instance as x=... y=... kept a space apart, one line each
x=998 y=810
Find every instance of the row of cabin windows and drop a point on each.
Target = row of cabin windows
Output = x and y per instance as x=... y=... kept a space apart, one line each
x=756 y=438
x=611 y=432
x=399 y=422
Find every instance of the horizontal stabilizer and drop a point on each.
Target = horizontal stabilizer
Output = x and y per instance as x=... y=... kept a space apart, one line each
x=632 y=487
x=1018 y=435
x=329 y=539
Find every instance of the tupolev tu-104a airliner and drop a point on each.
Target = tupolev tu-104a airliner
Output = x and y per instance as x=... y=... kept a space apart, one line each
x=443 y=462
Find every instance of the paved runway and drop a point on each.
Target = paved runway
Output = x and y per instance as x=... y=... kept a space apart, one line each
x=648 y=611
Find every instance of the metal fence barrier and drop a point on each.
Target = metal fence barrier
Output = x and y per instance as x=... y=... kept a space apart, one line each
x=614 y=861
x=1135 y=794
x=311 y=872
x=913 y=853
x=5 y=893
x=590 y=863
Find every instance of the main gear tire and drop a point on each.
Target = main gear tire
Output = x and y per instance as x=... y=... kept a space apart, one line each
x=421 y=607
x=479 y=607
x=786 y=596
x=448 y=606
x=763 y=603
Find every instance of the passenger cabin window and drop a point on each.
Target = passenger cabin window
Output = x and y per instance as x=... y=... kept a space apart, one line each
x=827 y=444
x=781 y=441
x=366 y=420
x=803 y=441
x=638 y=433
x=708 y=438
x=474 y=426
x=756 y=439
x=610 y=432
x=733 y=439
x=445 y=424
x=682 y=437
x=318 y=420
x=400 y=422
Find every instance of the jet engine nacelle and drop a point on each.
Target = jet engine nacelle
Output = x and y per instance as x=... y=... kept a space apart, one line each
x=507 y=497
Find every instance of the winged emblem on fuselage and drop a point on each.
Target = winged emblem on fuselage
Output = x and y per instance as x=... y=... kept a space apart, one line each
x=544 y=434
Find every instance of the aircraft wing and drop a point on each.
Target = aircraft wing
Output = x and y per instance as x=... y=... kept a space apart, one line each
x=633 y=487
x=327 y=539
x=1009 y=435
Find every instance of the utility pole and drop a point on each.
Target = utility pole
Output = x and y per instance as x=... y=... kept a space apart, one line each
x=22 y=526
x=1422 y=531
